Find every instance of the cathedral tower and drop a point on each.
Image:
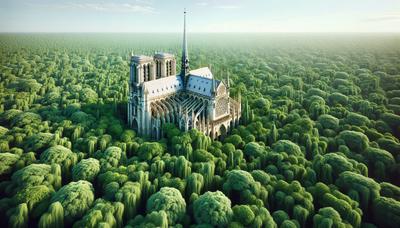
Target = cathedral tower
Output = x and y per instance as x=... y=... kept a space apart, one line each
x=142 y=69
x=165 y=65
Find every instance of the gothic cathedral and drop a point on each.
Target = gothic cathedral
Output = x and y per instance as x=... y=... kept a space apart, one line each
x=190 y=99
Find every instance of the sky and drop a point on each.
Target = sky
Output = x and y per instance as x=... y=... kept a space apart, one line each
x=203 y=15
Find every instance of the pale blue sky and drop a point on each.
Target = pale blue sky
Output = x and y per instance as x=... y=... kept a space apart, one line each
x=204 y=15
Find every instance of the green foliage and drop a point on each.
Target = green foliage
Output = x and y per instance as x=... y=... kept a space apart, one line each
x=154 y=219
x=7 y=162
x=215 y=204
x=328 y=122
x=253 y=149
x=389 y=190
x=60 y=155
x=103 y=213
x=19 y=217
x=200 y=155
x=287 y=146
x=357 y=119
x=110 y=157
x=356 y=141
x=149 y=150
x=88 y=95
x=86 y=169
x=367 y=188
x=35 y=197
x=280 y=216
x=243 y=214
x=328 y=217
x=54 y=217
x=36 y=174
x=130 y=195
x=38 y=142
x=319 y=131
x=26 y=118
x=238 y=180
x=76 y=198
x=169 y=200
x=386 y=212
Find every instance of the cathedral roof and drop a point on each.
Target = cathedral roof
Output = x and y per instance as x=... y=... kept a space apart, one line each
x=163 y=86
x=200 y=81
x=201 y=85
x=202 y=72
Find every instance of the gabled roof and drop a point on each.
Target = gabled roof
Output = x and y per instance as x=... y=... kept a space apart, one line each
x=163 y=86
x=202 y=72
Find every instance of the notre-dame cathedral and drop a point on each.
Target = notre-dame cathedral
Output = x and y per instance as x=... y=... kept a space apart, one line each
x=190 y=99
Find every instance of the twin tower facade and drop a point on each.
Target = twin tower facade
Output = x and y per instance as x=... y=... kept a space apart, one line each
x=189 y=99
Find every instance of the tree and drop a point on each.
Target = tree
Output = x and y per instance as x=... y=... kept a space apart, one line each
x=235 y=140
x=38 y=142
x=215 y=204
x=367 y=188
x=169 y=200
x=243 y=214
x=357 y=119
x=36 y=174
x=386 y=212
x=253 y=149
x=194 y=183
x=130 y=194
x=153 y=219
x=76 y=198
x=88 y=95
x=149 y=150
x=54 y=217
x=103 y=213
x=328 y=121
x=356 y=141
x=287 y=146
x=111 y=157
x=201 y=155
x=35 y=197
x=390 y=191
x=8 y=162
x=391 y=119
x=19 y=217
x=280 y=216
x=238 y=180
x=26 y=118
x=60 y=155
x=86 y=169
x=375 y=157
x=327 y=217
x=338 y=98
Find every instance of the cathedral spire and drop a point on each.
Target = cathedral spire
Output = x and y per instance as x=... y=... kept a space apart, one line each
x=185 y=57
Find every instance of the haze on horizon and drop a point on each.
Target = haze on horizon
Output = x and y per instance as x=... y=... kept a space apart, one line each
x=203 y=16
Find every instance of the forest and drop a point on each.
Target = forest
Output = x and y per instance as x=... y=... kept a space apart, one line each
x=318 y=144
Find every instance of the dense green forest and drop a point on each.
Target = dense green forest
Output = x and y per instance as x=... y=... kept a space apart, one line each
x=318 y=145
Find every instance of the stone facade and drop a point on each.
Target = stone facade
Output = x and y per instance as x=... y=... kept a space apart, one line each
x=191 y=99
